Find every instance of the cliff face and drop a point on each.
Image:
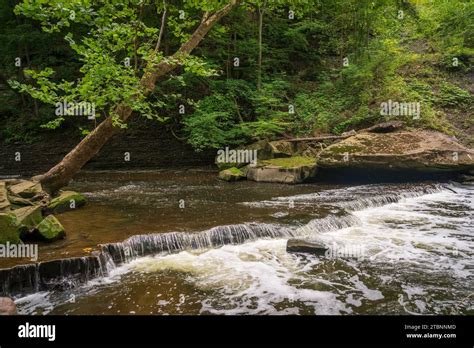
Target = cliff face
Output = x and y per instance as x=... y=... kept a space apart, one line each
x=144 y=145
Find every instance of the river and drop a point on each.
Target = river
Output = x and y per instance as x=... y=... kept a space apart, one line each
x=220 y=248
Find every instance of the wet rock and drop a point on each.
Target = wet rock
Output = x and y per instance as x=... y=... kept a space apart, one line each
x=50 y=229
x=27 y=189
x=7 y=306
x=17 y=201
x=291 y=170
x=420 y=150
x=67 y=200
x=9 y=229
x=303 y=246
x=467 y=178
x=231 y=174
x=28 y=216
x=4 y=201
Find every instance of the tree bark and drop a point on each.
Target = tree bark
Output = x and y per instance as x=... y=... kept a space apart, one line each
x=60 y=175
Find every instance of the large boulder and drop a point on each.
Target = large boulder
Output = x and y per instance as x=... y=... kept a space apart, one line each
x=28 y=216
x=7 y=306
x=231 y=174
x=9 y=229
x=67 y=200
x=420 y=150
x=50 y=229
x=292 y=170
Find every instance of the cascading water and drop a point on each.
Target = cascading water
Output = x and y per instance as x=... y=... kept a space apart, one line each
x=67 y=273
x=343 y=215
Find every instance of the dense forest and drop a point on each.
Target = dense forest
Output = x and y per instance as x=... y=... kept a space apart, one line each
x=268 y=69
x=236 y=157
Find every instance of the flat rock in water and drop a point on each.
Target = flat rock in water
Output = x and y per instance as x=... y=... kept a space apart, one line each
x=7 y=306
x=303 y=246
x=291 y=170
x=29 y=216
x=67 y=200
x=231 y=174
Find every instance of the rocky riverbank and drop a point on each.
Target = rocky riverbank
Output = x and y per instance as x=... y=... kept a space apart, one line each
x=27 y=212
x=389 y=149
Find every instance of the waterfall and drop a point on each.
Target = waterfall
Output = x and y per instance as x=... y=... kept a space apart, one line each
x=49 y=275
x=68 y=273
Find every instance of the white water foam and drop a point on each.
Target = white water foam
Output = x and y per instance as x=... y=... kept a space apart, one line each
x=417 y=248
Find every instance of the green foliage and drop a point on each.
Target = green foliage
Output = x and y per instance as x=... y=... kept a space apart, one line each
x=79 y=56
x=452 y=95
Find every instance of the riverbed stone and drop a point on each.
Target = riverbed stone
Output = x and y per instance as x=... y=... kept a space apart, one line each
x=295 y=245
x=27 y=189
x=9 y=229
x=292 y=170
x=17 y=201
x=418 y=150
x=67 y=200
x=7 y=306
x=231 y=174
x=50 y=229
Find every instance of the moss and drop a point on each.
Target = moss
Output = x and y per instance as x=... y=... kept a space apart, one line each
x=236 y=171
x=9 y=231
x=51 y=229
x=231 y=174
x=290 y=162
x=345 y=148
x=67 y=200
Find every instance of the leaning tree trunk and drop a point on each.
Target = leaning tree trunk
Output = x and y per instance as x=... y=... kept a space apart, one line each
x=60 y=175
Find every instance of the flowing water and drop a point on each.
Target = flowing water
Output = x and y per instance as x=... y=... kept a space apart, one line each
x=186 y=243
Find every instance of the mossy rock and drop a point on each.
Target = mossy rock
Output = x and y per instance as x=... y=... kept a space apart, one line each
x=28 y=216
x=231 y=174
x=67 y=200
x=290 y=170
x=50 y=229
x=290 y=162
x=9 y=229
